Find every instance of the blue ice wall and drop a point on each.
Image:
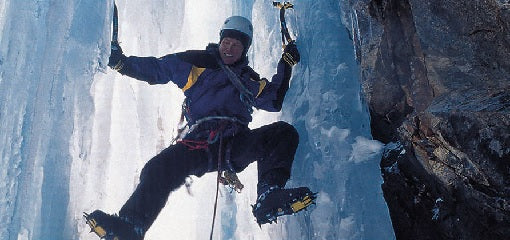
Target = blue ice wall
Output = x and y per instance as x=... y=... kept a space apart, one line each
x=74 y=134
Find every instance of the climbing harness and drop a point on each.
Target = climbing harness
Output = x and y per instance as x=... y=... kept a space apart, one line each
x=183 y=132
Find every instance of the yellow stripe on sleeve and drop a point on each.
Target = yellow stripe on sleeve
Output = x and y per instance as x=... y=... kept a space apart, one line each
x=193 y=77
x=261 y=86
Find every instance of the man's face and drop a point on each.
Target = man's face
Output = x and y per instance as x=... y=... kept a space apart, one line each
x=231 y=50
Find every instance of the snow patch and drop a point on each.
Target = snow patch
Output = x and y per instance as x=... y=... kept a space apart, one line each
x=436 y=209
x=335 y=133
x=348 y=227
x=495 y=146
x=365 y=149
x=319 y=170
x=393 y=168
x=340 y=69
x=393 y=146
x=323 y=198
x=24 y=234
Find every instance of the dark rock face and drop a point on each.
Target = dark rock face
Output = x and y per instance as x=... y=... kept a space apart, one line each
x=436 y=75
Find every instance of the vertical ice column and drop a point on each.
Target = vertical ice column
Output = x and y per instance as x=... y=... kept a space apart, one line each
x=49 y=54
x=336 y=156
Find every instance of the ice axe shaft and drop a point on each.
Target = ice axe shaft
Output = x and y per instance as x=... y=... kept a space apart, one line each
x=283 y=24
x=115 y=32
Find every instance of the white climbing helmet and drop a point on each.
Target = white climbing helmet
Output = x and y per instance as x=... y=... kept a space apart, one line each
x=240 y=24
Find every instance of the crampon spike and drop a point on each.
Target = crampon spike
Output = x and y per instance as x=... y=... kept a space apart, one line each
x=280 y=202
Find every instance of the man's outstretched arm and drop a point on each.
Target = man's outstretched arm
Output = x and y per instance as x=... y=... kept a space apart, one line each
x=150 y=69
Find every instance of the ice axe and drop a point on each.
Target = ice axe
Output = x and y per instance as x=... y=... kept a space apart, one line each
x=283 y=24
x=115 y=32
x=116 y=51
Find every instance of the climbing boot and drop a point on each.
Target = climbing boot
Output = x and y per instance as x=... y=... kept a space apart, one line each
x=276 y=201
x=112 y=227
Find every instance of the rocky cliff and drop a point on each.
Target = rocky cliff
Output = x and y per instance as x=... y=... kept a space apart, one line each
x=436 y=76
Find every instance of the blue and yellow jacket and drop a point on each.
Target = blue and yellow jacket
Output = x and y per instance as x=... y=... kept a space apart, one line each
x=206 y=86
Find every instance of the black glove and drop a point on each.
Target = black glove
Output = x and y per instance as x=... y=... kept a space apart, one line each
x=291 y=54
x=116 y=61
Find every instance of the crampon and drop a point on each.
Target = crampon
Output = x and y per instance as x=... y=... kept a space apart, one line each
x=111 y=227
x=276 y=202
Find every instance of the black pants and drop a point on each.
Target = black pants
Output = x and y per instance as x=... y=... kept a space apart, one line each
x=272 y=146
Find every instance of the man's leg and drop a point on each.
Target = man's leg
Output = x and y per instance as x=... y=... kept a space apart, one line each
x=161 y=175
x=273 y=147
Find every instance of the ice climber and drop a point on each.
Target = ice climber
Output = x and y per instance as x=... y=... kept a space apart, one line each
x=220 y=91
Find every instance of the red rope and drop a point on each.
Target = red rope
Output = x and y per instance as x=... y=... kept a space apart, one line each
x=194 y=144
x=202 y=144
